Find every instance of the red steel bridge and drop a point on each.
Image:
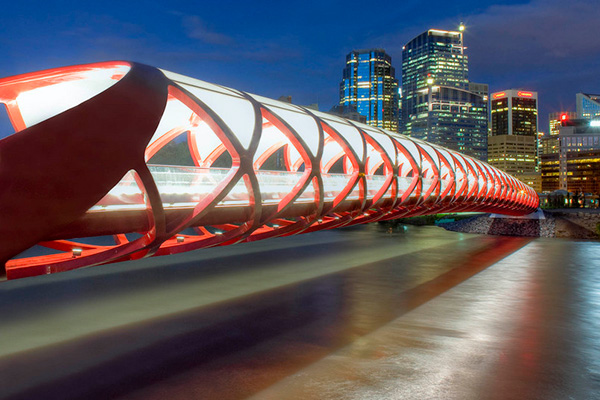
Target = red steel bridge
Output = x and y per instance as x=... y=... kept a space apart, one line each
x=160 y=163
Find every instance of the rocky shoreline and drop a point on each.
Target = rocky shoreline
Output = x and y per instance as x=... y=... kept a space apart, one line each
x=557 y=223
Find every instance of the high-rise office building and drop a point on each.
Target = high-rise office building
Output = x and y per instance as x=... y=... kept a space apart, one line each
x=571 y=160
x=549 y=144
x=514 y=112
x=512 y=146
x=438 y=104
x=587 y=105
x=369 y=84
x=555 y=119
x=348 y=112
x=483 y=90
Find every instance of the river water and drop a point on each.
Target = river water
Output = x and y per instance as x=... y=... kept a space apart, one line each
x=368 y=312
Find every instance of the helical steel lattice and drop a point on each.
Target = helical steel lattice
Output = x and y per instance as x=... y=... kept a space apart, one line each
x=160 y=163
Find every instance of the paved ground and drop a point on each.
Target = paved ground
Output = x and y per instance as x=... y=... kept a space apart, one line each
x=361 y=313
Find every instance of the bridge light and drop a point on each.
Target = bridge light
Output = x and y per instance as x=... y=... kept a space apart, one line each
x=186 y=186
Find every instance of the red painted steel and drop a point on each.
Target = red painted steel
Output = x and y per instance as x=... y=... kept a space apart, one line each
x=82 y=164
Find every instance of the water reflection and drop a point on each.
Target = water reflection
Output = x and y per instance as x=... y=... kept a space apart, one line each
x=359 y=313
x=545 y=354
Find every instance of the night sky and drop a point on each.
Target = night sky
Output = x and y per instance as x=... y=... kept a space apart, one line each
x=298 y=48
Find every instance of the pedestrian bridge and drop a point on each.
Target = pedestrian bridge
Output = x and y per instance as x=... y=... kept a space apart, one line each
x=160 y=163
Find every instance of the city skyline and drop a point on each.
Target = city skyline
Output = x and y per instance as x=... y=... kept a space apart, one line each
x=297 y=48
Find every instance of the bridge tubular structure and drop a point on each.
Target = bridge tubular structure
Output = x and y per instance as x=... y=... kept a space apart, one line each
x=117 y=160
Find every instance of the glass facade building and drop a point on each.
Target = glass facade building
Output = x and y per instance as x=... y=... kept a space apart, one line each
x=369 y=84
x=483 y=90
x=453 y=118
x=438 y=103
x=588 y=105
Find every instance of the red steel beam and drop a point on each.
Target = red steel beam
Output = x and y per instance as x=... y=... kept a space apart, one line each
x=233 y=167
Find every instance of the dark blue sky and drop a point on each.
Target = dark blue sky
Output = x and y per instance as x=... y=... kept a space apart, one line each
x=298 y=48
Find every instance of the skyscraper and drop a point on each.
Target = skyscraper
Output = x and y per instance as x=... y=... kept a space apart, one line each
x=483 y=90
x=555 y=119
x=512 y=146
x=437 y=102
x=588 y=105
x=369 y=83
x=514 y=112
x=571 y=159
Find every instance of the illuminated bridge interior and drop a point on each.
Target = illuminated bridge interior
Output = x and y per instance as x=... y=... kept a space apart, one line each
x=162 y=163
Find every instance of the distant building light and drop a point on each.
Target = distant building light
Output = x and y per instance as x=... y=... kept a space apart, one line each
x=498 y=95
x=442 y=32
x=525 y=94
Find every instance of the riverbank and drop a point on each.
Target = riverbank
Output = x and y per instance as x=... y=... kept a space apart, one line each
x=574 y=224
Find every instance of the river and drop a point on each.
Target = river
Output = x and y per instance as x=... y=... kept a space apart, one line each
x=368 y=312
